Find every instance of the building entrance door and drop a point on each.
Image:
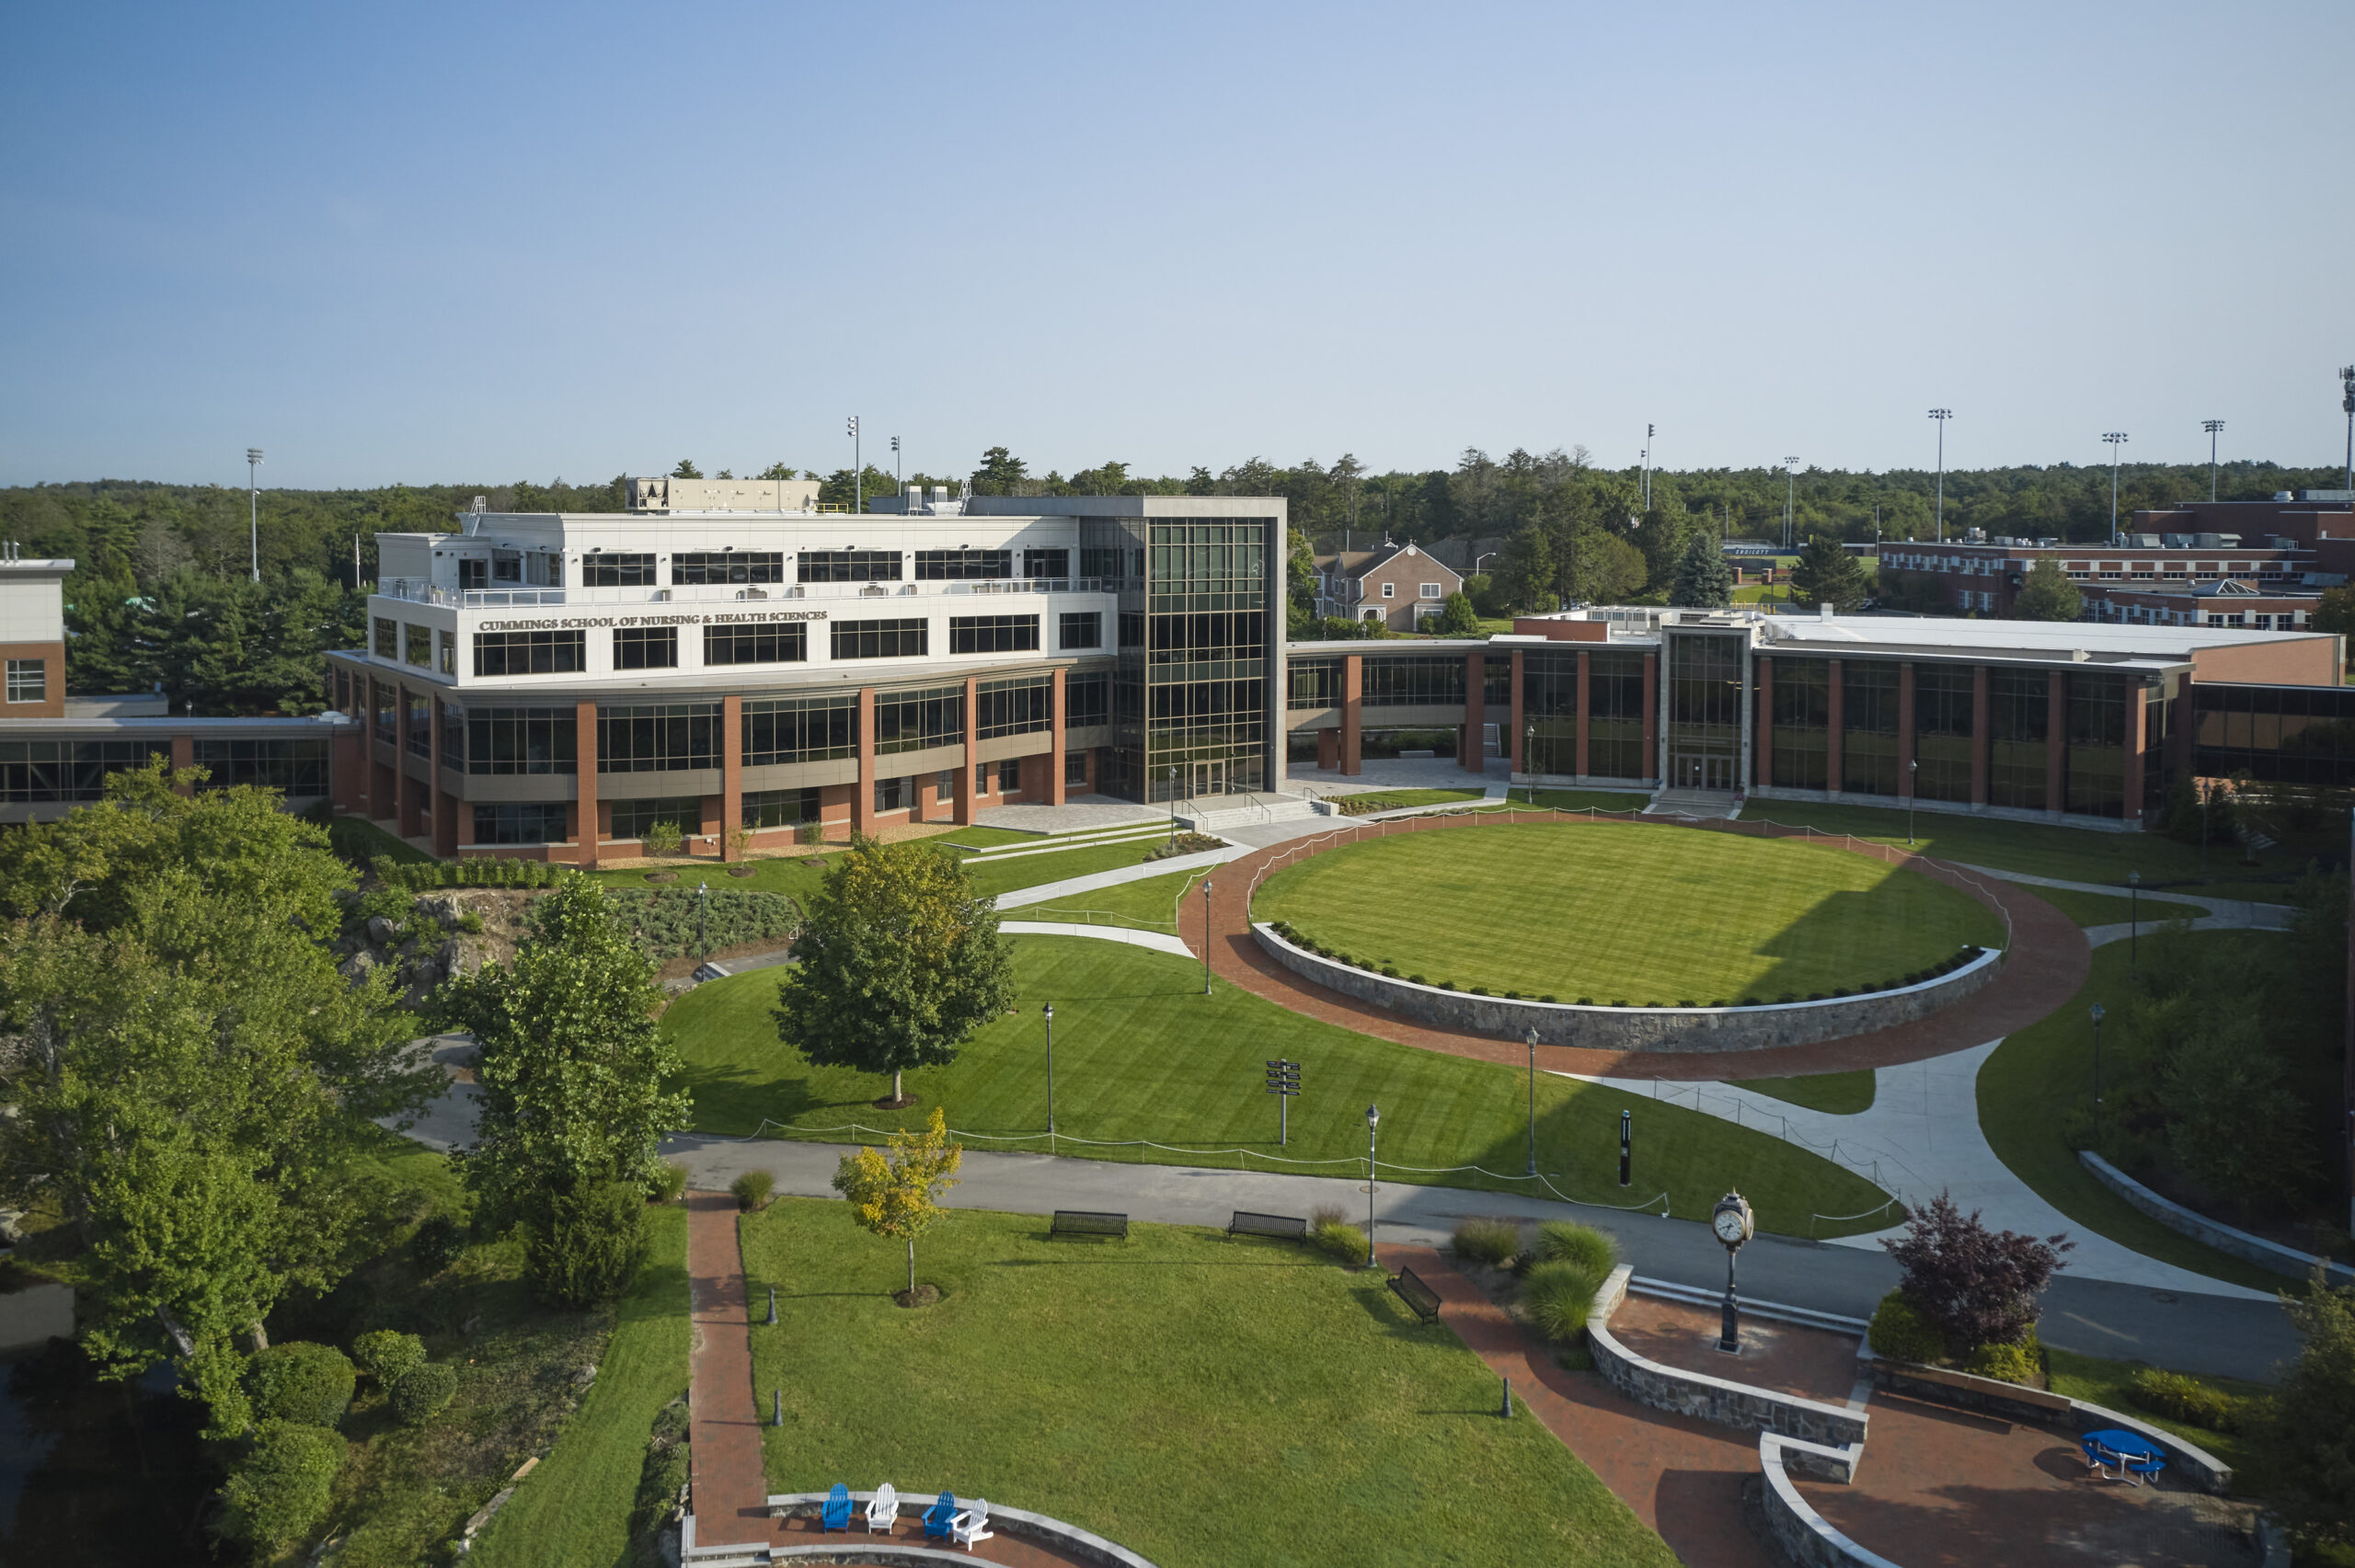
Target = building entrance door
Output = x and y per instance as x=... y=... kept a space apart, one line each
x=1209 y=778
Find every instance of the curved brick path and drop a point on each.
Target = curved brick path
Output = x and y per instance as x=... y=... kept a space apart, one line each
x=2044 y=965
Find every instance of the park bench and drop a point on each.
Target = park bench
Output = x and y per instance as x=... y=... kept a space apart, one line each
x=1086 y=1223
x=1283 y=1226
x=1418 y=1296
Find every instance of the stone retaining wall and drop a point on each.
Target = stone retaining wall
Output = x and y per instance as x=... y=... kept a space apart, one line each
x=2266 y=1255
x=1637 y=1028
x=1712 y=1399
x=1807 y=1536
x=1017 y=1523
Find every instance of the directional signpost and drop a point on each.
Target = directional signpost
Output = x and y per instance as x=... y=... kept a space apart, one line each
x=1284 y=1082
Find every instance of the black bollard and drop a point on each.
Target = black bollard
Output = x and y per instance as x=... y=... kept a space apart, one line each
x=1627 y=1144
x=1507 y=1411
x=776 y=1407
x=772 y=1304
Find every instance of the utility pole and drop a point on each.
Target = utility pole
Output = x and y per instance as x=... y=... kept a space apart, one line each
x=253 y=487
x=2212 y=427
x=1942 y=416
x=858 y=471
x=2116 y=439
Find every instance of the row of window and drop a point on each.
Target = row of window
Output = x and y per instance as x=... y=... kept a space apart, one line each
x=38 y=771
x=786 y=642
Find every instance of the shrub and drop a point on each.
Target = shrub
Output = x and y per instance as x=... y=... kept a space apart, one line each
x=424 y=1391
x=2187 y=1400
x=1416 y=980
x=1487 y=1241
x=279 y=1492
x=587 y=1245
x=1329 y=1233
x=809 y=833
x=307 y=1384
x=470 y=923
x=1557 y=1296
x=753 y=1189
x=2021 y=1363
x=1479 y=991
x=1899 y=1332
x=1547 y=997
x=669 y=1181
x=661 y=1475
x=661 y=839
x=1567 y=1240
x=384 y=1354
x=1975 y=1286
x=1447 y=985
x=437 y=1243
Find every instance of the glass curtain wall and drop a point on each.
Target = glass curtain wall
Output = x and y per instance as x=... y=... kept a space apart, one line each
x=1549 y=700
x=1205 y=663
x=1867 y=726
x=2018 y=722
x=1614 y=725
x=1942 y=732
x=1802 y=723
x=2298 y=735
x=1704 y=710
x=2096 y=763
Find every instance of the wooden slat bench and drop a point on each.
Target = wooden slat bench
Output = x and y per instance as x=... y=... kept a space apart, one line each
x=1283 y=1226
x=1088 y=1222
x=1420 y=1296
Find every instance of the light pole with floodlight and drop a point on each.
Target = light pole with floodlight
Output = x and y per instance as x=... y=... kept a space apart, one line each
x=1532 y=1038
x=1373 y=1121
x=253 y=492
x=899 y=482
x=2212 y=427
x=1790 y=500
x=858 y=471
x=2116 y=439
x=1942 y=416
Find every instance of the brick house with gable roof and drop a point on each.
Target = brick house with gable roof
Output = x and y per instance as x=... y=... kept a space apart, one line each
x=1398 y=585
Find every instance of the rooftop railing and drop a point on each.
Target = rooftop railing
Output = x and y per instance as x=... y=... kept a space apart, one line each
x=413 y=593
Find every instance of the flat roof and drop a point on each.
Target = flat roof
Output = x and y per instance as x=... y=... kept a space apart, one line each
x=2034 y=637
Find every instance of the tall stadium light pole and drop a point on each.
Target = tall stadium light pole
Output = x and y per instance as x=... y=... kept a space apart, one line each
x=2347 y=378
x=1790 y=500
x=1650 y=430
x=2212 y=427
x=2116 y=439
x=899 y=482
x=253 y=490
x=858 y=471
x=1942 y=416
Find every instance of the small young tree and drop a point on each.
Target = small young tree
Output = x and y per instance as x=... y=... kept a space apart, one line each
x=1456 y=619
x=1827 y=574
x=1977 y=1286
x=2307 y=1430
x=2047 y=595
x=1703 y=581
x=662 y=840
x=897 y=1195
x=739 y=844
x=899 y=964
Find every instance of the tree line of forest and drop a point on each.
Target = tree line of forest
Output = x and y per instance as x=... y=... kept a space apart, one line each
x=162 y=597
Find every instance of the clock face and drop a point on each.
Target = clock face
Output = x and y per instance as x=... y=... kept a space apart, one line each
x=1729 y=1225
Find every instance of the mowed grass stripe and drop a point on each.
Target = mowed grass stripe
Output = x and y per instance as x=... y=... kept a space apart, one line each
x=1142 y=1053
x=1619 y=913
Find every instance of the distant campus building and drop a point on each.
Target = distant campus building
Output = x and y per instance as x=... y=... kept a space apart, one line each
x=1401 y=586
x=726 y=655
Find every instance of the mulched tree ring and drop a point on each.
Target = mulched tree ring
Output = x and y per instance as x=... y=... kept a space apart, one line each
x=817 y=860
x=661 y=877
x=743 y=870
x=922 y=1296
x=888 y=1103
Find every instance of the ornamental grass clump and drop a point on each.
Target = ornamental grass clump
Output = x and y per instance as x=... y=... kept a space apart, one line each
x=753 y=1189
x=1331 y=1234
x=1557 y=1296
x=1567 y=1240
x=1491 y=1241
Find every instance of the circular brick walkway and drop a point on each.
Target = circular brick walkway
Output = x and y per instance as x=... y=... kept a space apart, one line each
x=2044 y=965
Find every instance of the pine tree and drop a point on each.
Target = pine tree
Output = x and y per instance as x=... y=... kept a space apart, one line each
x=1827 y=575
x=1703 y=581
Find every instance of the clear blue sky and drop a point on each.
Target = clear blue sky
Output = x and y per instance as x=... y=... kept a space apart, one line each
x=489 y=243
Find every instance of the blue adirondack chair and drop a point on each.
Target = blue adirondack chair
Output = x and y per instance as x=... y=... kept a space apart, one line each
x=940 y=1518
x=835 y=1516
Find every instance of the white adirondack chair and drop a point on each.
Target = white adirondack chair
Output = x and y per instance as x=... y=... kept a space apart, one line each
x=884 y=1511
x=973 y=1525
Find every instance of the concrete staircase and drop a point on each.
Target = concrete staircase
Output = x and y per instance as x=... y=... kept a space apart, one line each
x=1215 y=814
x=1718 y=803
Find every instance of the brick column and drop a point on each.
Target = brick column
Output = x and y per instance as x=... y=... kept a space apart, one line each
x=1512 y=742
x=862 y=792
x=1056 y=766
x=1328 y=749
x=1761 y=744
x=184 y=758
x=1981 y=719
x=963 y=814
x=1352 y=719
x=1468 y=753
x=731 y=772
x=1833 y=711
x=1651 y=718
x=2137 y=709
x=1584 y=729
x=1905 y=729
x=586 y=829
x=2056 y=741
x=445 y=805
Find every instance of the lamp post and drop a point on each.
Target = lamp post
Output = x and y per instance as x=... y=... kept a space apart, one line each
x=1173 y=807
x=1529 y=761
x=1733 y=1224
x=1373 y=1121
x=1206 y=936
x=2116 y=439
x=1048 y=1012
x=703 y=922
x=253 y=493
x=2096 y=1013
x=1532 y=1038
x=1912 y=788
x=2134 y=918
x=858 y=471
x=1942 y=416
x=2212 y=427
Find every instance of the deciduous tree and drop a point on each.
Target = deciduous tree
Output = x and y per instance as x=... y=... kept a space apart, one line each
x=897 y=1195
x=1978 y=1287
x=2308 y=1432
x=2047 y=594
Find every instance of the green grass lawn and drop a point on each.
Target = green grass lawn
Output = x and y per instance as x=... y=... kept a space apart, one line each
x=1834 y=1094
x=575 y=1508
x=1579 y=799
x=991 y=875
x=2072 y=854
x=2098 y=1380
x=359 y=840
x=1148 y=904
x=1197 y=1400
x=2102 y=909
x=1617 y=912
x=2037 y=1077
x=1142 y=1053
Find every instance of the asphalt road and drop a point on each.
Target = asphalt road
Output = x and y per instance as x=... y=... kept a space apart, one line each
x=2190 y=1333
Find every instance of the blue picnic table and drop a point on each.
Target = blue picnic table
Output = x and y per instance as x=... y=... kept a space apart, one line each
x=2132 y=1454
